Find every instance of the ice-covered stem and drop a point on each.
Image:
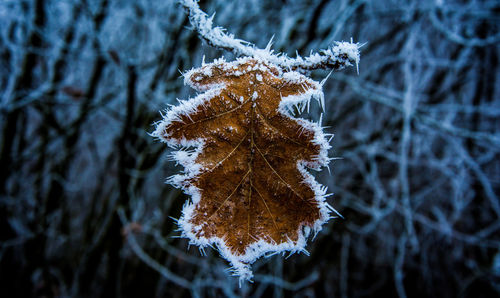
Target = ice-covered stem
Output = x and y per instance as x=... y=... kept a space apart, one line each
x=338 y=56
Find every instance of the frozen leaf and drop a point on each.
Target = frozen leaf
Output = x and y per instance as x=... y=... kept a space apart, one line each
x=250 y=192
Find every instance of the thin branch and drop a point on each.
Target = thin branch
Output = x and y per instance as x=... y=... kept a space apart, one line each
x=291 y=286
x=336 y=57
x=457 y=38
x=169 y=275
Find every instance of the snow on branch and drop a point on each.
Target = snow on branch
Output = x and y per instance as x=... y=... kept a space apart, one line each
x=336 y=57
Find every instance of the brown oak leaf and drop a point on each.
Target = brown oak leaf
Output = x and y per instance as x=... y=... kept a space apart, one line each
x=251 y=194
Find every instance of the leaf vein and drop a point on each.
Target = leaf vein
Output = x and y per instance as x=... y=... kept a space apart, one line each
x=215 y=116
x=282 y=180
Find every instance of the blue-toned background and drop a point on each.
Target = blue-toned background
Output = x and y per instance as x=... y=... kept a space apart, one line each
x=417 y=131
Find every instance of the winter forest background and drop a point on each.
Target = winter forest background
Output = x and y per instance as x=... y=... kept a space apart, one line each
x=417 y=131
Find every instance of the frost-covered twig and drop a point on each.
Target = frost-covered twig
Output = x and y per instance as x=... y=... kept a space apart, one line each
x=336 y=57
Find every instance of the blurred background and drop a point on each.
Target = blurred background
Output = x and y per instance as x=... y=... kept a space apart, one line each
x=85 y=212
